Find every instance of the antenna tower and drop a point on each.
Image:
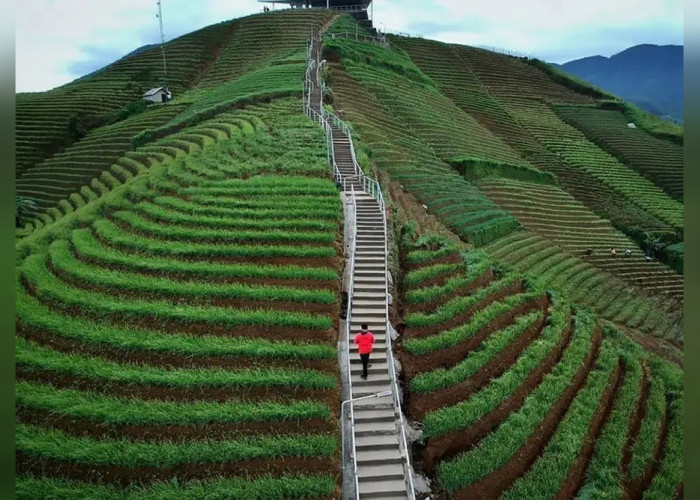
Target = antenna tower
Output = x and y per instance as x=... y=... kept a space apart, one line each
x=162 y=41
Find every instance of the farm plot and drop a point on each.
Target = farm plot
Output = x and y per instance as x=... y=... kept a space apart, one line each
x=263 y=41
x=659 y=160
x=553 y=214
x=414 y=164
x=575 y=149
x=77 y=165
x=528 y=398
x=586 y=284
x=179 y=338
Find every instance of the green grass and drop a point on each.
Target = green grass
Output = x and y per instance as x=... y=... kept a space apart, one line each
x=97 y=407
x=284 y=486
x=466 y=413
x=457 y=305
x=35 y=441
x=415 y=278
x=603 y=475
x=476 y=360
x=171 y=231
x=102 y=305
x=33 y=313
x=454 y=336
x=649 y=431
x=86 y=246
x=670 y=475
x=110 y=232
x=63 y=260
x=549 y=472
x=499 y=446
x=426 y=294
x=35 y=357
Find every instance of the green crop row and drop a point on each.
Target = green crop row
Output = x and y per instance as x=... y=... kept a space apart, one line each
x=442 y=378
x=466 y=413
x=458 y=305
x=270 y=213
x=415 y=278
x=669 y=477
x=32 y=312
x=169 y=231
x=549 y=472
x=650 y=430
x=286 y=486
x=603 y=476
x=110 y=232
x=49 y=287
x=64 y=261
x=36 y=357
x=97 y=407
x=86 y=246
x=420 y=256
x=169 y=216
x=454 y=336
x=501 y=445
x=299 y=203
x=35 y=441
x=423 y=295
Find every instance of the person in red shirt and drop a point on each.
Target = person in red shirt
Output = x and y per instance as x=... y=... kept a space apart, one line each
x=365 y=340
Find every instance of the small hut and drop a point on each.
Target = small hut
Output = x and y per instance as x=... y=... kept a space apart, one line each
x=158 y=94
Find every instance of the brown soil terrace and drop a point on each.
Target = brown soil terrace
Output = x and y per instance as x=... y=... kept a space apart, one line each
x=445 y=358
x=451 y=444
x=419 y=402
x=431 y=305
x=425 y=331
x=165 y=359
x=502 y=479
x=331 y=397
x=576 y=475
x=126 y=476
x=178 y=433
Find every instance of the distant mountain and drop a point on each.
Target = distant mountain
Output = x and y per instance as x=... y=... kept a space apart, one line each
x=651 y=76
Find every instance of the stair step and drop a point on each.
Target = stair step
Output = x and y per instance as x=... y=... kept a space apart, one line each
x=378 y=441
x=378 y=415
x=365 y=429
x=369 y=389
x=391 y=488
x=378 y=456
x=380 y=472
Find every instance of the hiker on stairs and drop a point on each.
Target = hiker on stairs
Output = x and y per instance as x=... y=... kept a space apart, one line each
x=365 y=340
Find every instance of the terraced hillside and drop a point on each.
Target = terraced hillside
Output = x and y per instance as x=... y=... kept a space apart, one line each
x=177 y=293
x=519 y=395
x=183 y=327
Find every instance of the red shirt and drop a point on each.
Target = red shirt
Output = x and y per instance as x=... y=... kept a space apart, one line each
x=365 y=342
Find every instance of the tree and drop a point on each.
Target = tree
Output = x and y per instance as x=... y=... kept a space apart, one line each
x=652 y=243
x=23 y=205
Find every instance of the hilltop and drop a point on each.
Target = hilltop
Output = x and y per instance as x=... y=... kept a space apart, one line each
x=189 y=275
x=650 y=76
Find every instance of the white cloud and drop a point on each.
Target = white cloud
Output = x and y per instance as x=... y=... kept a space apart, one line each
x=53 y=36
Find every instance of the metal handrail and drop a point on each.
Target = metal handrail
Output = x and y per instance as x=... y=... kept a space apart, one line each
x=372 y=187
x=380 y=40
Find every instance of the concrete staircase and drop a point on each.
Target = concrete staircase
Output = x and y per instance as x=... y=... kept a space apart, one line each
x=343 y=158
x=378 y=451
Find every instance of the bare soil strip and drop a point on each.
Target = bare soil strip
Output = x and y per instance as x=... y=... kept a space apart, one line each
x=454 y=443
x=419 y=402
x=125 y=476
x=577 y=472
x=503 y=478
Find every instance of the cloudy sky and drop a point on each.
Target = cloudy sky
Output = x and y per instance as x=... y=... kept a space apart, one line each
x=57 y=41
